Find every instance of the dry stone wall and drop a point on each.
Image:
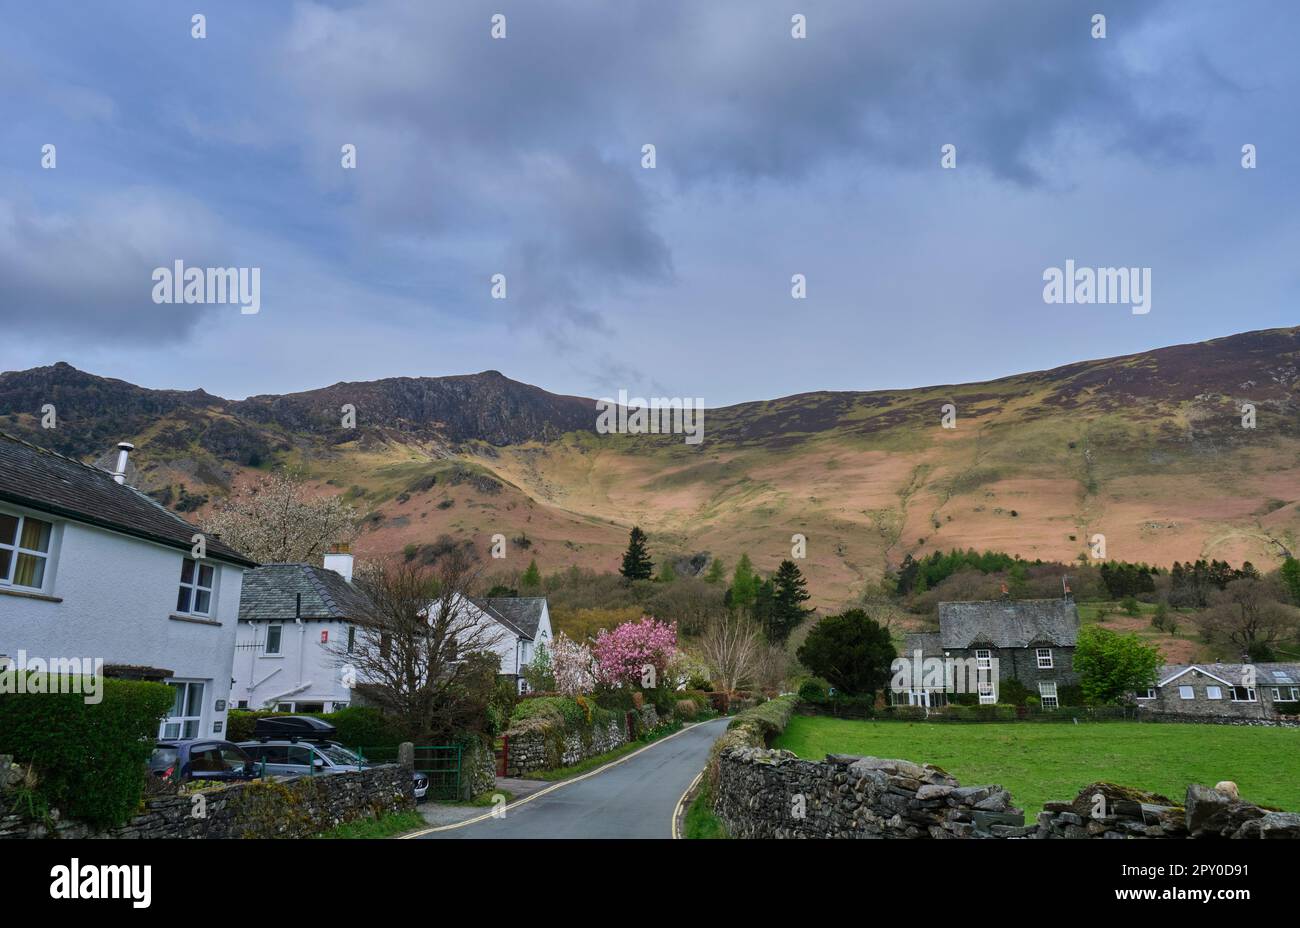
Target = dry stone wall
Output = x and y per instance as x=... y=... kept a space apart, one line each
x=761 y=793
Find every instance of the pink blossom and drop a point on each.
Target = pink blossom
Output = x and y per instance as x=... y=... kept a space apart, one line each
x=625 y=655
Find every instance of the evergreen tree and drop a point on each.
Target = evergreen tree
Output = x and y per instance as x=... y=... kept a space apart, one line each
x=636 y=561
x=667 y=573
x=789 y=593
x=532 y=576
x=716 y=571
x=764 y=605
x=1291 y=579
x=744 y=584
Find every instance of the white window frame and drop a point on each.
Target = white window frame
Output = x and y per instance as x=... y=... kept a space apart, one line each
x=1045 y=654
x=183 y=686
x=196 y=586
x=1151 y=693
x=1214 y=692
x=1251 y=695
x=987 y=692
x=1186 y=692
x=16 y=550
x=279 y=644
x=984 y=662
x=1047 y=694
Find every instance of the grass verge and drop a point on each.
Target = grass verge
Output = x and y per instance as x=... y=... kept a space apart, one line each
x=700 y=821
x=395 y=823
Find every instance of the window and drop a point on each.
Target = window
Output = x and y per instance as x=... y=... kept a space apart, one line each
x=1047 y=693
x=1186 y=692
x=1045 y=659
x=352 y=638
x=195 y=596
x=983 y=659
x=1151 y=693
x=274 y=637
x=987 y=694
x=187 y=708
x=1286 y=694
x=1243 y=694
x=215 y=758
x=24 y=551
x=1213 y=692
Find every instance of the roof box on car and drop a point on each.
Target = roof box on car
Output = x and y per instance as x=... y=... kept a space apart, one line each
x=293 y=727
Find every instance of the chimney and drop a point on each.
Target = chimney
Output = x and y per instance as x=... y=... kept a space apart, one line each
x=339 y=560
x=124 y=448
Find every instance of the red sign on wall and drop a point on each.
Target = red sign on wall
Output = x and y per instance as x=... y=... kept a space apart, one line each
x=325 y=636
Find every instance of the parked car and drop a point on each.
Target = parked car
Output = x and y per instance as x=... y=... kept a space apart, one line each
x=201 y=759
x=299 y=745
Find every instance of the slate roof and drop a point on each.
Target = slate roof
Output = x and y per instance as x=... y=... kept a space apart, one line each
x=1235 y=674
x=520 y=614
x=271 y=593
x=927 y=643
x=44 y=480
x=1009 y=623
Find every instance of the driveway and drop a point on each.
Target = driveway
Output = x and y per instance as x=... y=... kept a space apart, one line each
x=633 y=798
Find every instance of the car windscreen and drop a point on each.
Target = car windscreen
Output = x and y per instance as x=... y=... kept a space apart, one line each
x=339 y=754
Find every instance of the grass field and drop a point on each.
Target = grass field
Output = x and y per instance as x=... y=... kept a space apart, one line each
x=1040 y=762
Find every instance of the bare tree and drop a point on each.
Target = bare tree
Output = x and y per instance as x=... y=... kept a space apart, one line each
x=1247 y=613
x=423 y=651
x=732 y=646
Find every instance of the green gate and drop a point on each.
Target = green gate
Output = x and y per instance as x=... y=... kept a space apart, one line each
x=439 y=762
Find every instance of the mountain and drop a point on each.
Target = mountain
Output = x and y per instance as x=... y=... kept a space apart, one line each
x=1148 y=449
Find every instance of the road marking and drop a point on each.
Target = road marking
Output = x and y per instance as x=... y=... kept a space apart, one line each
x=678 y=808
x=550 y=789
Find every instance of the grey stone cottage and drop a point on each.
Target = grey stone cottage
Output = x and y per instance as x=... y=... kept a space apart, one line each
x=1029 y=640
x=1240 y=691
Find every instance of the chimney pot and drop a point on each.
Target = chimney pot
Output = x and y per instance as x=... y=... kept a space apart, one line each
x=124 y=448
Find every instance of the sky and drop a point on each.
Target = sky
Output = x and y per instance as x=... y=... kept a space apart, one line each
x=523 y=156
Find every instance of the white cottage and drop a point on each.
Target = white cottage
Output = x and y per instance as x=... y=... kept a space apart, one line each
x=294 y=619
x=91 y=568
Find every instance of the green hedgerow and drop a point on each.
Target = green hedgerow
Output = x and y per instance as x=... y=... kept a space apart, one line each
x=89 y=760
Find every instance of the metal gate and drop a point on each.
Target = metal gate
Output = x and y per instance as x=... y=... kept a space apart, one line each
x=439 y=762
x=501 y=749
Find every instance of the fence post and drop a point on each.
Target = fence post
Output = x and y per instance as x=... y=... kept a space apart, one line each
x=406 y=755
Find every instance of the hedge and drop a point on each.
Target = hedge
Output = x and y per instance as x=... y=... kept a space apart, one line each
x=358 y=726
x=756 y=727
x=90 y=760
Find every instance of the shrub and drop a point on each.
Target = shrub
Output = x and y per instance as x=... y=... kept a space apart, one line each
x=813 y=690
x=1014 y=692
x=755 y=728
x=89 y=760
x=686 y=709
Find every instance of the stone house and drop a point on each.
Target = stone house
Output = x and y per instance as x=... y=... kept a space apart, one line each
x=1031 y=641
x=1244 y=691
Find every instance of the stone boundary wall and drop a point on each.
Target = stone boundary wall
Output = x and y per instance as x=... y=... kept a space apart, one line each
x=281 y=807
x=542 y=744
x=761 y=793
x=1154 y=715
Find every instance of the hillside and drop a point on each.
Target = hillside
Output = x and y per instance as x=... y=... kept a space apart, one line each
x=1147 y=449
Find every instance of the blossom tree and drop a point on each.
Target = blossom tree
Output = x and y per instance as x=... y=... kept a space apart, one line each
x=635 y=653
x=572 y=666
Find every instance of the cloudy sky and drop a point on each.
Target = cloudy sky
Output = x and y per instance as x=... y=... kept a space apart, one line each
x=523 y=156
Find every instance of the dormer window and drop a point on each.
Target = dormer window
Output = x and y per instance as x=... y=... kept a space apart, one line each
x=24 y=551
x=1044 y=658
x=195 y=596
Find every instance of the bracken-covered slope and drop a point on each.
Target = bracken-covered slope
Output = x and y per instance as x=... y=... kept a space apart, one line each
x=1147 y=449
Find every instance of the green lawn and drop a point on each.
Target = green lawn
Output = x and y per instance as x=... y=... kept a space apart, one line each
x=395 y=823
x=1044 y=761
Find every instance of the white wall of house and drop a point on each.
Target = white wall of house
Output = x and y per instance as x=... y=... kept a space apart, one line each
x=112 y=596
x=306 y=672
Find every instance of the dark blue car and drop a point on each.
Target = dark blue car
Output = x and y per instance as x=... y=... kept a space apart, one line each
x=202 y=759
